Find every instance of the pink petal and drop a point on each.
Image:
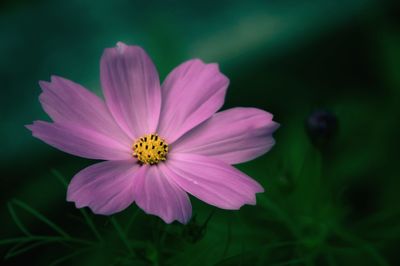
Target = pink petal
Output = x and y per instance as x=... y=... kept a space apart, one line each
x=106 y=187
x=234 y=136
x=212 y=181
x=80 y=141
x=132 y=88
x=67 y=102
x=191 y=93
x=157 y=195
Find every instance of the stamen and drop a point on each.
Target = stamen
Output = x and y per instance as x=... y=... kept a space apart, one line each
x=157 y=153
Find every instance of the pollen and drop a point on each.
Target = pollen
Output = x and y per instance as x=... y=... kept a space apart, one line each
x=150 y=149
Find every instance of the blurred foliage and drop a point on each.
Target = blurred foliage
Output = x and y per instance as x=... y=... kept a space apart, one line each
x=335 y=204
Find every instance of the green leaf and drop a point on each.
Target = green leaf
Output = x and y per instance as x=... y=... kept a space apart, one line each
x=40 y=217
x=8 y=241
x=59 y=177
x=122 y=235
x=22 y=248
x=363 y=245
x=69 y=256
x=131 y=220
x=16 y=219
x=289 y=262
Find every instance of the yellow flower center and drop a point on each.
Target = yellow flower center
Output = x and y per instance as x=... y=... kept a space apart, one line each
x=150 y=149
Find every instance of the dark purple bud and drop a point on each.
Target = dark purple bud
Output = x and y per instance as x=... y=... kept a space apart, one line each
x=321 y=127
x=194 y=231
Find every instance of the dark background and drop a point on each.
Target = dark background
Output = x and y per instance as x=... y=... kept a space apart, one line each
x=328 y=70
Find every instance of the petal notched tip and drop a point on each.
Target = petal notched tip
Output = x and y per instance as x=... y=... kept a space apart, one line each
x=29 y=127
x=168 y=220
x=276 y=125
x=32 y=127
x=44 y=85
x=201 y=62
x=74 y=198
x=121 y=47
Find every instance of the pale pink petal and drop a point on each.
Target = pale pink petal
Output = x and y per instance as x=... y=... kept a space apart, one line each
x=157 y=195
x=106 y=187
x=212 y=180
x=191 y=93
x=131 y=88
x=234 y=136
x=67 y=102
x=80 y=141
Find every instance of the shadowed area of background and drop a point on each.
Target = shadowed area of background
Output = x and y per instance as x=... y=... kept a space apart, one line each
x=328 y=70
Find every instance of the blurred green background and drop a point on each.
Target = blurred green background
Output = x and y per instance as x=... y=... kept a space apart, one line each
x=331 y=194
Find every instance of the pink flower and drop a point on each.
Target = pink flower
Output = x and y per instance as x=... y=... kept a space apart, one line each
x=159 y=142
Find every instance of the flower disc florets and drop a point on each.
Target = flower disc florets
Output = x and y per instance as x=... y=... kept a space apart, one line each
x=150 y=149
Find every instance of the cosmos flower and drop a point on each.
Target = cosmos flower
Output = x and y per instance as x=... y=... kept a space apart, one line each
x=159 y=142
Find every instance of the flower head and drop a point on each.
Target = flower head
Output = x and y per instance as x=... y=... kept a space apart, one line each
x=159 y=142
